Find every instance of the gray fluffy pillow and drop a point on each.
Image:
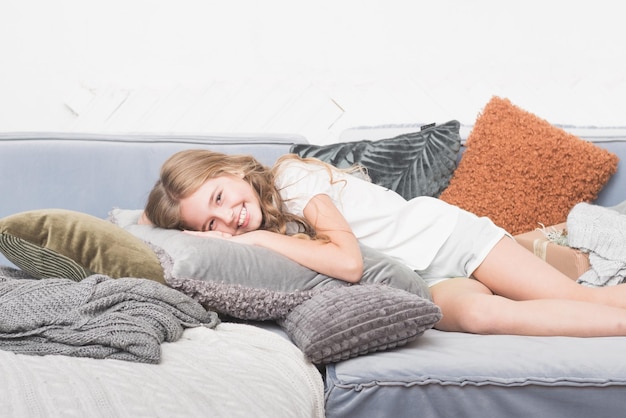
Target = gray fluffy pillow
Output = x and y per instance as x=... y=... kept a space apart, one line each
x=413 y=164
x=249 y=282
x=351 y=321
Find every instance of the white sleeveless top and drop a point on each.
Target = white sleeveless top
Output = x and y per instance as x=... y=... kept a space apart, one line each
x=410 y=231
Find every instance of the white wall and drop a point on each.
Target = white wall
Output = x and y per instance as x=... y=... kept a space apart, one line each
x=314 y=67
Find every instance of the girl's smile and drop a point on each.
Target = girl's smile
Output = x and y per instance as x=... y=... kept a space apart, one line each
x=226 y=204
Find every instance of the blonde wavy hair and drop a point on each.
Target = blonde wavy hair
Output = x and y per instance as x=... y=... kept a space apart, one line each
x=184 y=172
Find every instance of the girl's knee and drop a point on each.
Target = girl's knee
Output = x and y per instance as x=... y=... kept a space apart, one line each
x=465 y=306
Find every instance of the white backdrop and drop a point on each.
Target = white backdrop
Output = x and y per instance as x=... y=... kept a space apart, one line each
x=314 y=67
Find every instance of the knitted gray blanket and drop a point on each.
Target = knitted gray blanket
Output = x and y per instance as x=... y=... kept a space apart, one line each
x=98 y=317
x=601 y=232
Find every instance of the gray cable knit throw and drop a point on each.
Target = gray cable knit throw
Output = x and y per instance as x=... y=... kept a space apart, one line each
x=98 y=317
x=601 y=232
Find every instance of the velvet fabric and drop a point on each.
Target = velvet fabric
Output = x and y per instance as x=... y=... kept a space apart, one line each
x=419 y=163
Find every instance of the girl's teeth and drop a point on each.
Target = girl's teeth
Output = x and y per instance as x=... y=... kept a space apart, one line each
x=242 y=216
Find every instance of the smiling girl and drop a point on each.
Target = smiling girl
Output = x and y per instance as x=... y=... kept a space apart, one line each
x=483 y=281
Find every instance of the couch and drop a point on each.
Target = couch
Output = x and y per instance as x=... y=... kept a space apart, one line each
x=427 y=374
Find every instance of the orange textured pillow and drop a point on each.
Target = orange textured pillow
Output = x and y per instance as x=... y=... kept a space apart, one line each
x=520 y=171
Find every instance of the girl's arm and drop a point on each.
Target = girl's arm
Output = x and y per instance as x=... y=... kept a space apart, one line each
x=339 y=257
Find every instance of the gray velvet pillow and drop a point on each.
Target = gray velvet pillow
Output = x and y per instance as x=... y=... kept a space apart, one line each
x=352 y=321
x=413 y=164
x=249 y=282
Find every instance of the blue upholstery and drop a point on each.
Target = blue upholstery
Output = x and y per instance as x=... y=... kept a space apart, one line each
x=95 y=173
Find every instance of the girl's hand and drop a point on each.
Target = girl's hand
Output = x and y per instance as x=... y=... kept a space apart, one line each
x=143 y=219
x=253 y=237
x=250 y=238
x=209 y=234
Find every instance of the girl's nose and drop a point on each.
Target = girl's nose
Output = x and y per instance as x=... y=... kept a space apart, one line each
x=227 y=215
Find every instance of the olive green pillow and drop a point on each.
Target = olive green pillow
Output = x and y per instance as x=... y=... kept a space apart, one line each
x=63 y=243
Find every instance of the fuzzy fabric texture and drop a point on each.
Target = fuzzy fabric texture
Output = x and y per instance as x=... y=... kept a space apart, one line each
x=521 y=171
x=601 y=232
x=98 y=317
x=239 y=301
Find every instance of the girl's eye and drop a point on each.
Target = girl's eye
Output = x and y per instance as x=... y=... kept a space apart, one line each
x=218 y=199
x=211 y=225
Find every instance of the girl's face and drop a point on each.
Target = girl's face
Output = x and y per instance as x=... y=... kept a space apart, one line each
x=226 y=204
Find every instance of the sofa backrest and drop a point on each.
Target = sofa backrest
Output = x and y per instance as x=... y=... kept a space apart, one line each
x=95 y=173
x=612 y=139
x=614 y=192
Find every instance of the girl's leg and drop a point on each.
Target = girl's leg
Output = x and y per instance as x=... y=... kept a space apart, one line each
x=515 y=273
x=469 y=306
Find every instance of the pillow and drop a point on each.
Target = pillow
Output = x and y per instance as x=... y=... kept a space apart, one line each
x=254 y=283
x=520 y=171
x=249 y=282
x=66 y=244
x=355 y=320
x=412 y=164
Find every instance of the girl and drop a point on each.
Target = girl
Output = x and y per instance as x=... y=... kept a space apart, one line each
x=482 y=280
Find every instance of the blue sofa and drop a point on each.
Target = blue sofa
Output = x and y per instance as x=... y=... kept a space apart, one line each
x=440 y=374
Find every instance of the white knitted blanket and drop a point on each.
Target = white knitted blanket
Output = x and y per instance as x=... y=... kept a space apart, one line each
x=601 y=232
x=98 y=317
